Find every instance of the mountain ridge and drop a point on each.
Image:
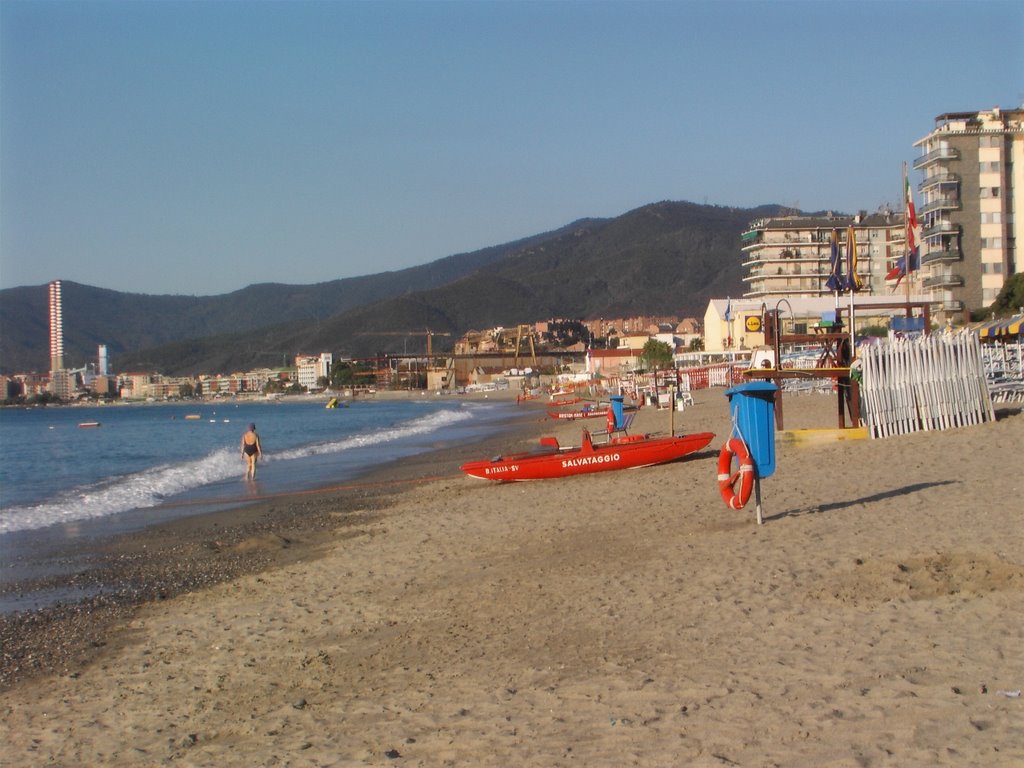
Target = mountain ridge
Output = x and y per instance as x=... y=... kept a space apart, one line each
x=662 y=258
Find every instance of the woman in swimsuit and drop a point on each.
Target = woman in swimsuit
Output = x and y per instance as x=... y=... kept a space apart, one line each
x=251 y=451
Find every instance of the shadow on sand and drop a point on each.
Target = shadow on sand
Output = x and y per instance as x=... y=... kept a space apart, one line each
x=818 y=509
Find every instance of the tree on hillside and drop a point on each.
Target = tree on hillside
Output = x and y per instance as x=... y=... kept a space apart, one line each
x=657 y=355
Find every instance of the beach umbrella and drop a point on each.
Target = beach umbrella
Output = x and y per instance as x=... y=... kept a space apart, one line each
x=853 y=282
x=835 y=278
x=1004 y=326
x=1014 y=325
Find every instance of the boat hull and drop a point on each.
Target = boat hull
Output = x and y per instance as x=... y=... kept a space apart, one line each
x=623 y=453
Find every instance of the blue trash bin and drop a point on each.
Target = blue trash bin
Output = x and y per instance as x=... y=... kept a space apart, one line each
x=752 y=407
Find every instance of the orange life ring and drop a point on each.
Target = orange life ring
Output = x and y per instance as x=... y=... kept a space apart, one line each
x=733 y=497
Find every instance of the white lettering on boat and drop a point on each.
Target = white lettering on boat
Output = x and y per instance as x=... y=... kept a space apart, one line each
x=498 y=470
x=584 y=461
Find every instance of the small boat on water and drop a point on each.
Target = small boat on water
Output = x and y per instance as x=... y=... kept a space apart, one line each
x=89 y=424
x=552 y=460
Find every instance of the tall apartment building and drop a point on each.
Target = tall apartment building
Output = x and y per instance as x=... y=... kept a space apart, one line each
x=790 y=256
x=973 y=180
x=56 y=327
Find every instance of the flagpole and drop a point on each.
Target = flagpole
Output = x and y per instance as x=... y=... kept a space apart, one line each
x=907 y=255
x=851 y=246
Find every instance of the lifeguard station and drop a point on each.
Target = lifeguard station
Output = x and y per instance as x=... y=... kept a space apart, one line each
x=832 y=338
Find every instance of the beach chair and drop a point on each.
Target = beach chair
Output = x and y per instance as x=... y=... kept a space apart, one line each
x=627 y=422
x=618 y=419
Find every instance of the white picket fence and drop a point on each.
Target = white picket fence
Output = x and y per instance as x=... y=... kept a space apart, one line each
x=933 y=382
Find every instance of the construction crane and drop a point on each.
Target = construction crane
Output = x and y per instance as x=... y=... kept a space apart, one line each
x=524 y=332
x=427 y=332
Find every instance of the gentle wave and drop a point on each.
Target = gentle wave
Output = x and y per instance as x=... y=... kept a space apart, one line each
x=155 y=486
x=422 y=426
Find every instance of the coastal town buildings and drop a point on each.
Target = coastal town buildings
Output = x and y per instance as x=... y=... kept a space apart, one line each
x=791 y=256
x=311 y=368
x=606 y=327
x=972 y=194
x=241 y=383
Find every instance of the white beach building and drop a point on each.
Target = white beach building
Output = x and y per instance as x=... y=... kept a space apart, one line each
x=735 y=324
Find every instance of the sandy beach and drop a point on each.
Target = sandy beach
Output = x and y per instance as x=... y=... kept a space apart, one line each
x=623 y=618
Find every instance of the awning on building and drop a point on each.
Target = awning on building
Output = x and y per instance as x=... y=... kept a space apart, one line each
x=1007 y=326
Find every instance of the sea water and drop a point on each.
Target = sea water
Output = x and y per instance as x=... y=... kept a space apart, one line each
x=152 y=463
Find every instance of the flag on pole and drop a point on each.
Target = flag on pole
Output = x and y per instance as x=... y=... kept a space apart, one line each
x=913 y=231
x=835 y=278
x=913 y=250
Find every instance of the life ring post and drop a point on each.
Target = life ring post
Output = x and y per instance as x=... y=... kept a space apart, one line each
x=757 y=500
x=752 y=444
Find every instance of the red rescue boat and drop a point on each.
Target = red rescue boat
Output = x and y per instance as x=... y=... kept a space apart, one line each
x=552 y=460
x=561 y=402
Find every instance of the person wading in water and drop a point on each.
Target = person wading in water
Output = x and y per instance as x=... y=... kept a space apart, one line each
x=251 y=451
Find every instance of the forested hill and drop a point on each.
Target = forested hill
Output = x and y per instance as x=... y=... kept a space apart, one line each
x=663 y=258
x=129 y=323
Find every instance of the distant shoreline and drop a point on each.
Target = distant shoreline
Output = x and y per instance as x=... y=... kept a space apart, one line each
x=380 y=394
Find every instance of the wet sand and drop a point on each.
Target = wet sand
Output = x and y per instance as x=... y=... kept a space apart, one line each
x=623 y=618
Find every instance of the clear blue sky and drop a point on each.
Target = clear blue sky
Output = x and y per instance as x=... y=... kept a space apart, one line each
x=199 y=147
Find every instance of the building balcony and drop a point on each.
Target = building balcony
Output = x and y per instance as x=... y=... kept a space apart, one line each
x=943 y=281
x=941 y=228
x=941 y=257
x=935 y=156
x=768 y=293
x=948 y=306
x=939 y=178
x=794 y=262
x=944 y=203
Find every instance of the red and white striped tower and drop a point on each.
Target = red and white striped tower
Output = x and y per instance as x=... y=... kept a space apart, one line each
x=56 y=328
